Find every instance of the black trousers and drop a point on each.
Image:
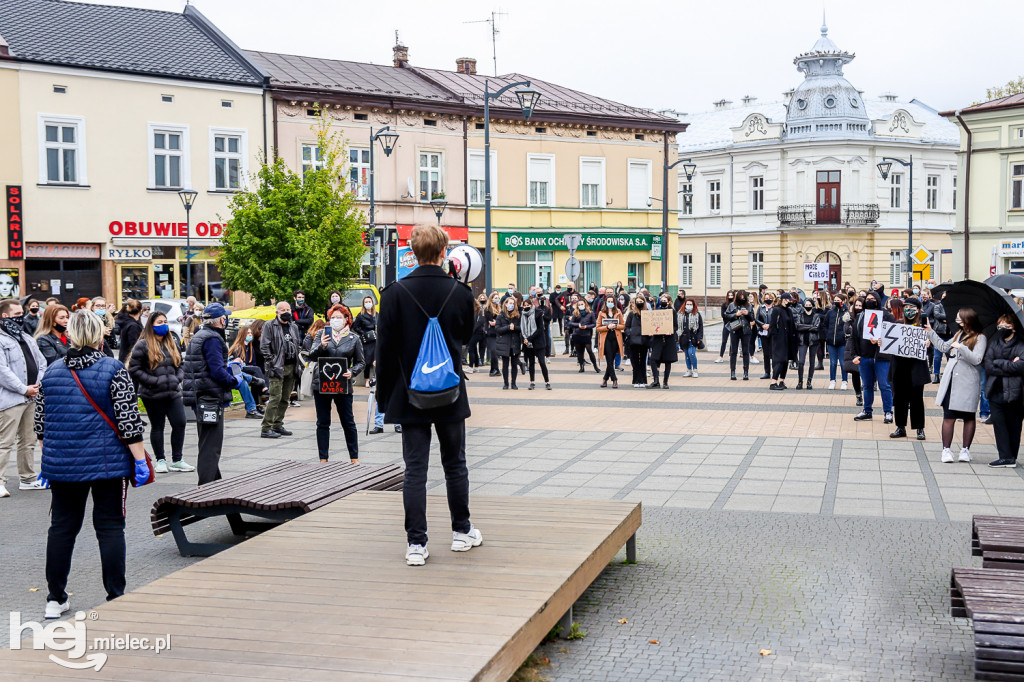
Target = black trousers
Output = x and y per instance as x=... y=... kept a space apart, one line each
x=582 y=347
x=739 y=342
x=491 y=343
x=67 y=512
x=802 y=359
x=1007 y=419
x=855 y=378
x=534 y=356
x=780 y=356
x=559 y=319
x=610 y=351
x=211 y=440
x=477 y=351
x=766 y=351
x=166 y=410
x=504 y=368
x=343 y=404
x=908 y=398
x=725 y=340
x=654 y=371
x=369 y=349
x=416 y=452
x=638 y=361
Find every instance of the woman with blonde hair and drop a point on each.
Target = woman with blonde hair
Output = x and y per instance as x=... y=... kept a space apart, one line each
x=51 y=334
x=309 y=338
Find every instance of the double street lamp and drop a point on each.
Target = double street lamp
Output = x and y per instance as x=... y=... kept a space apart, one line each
x=387 y=138
x=689 y=167
x=884 y=167
x=188 y=197
x=528 y=98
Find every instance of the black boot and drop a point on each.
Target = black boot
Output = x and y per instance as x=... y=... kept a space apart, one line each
x=900 y=432
x=582 y=369
x=809 y=387
x=860 y=400
x=746 y=376
x=920 y=434
x=732 y=376
x=800 y=385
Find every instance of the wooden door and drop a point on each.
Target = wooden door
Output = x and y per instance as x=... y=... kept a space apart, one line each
x=827 y=196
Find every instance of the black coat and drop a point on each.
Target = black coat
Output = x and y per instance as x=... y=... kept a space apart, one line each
x=783 y=333
x=363 y=325
x=582 y=327
x=303 y=317
x=835 y=328
x=863 y=347
x=509 y=341
x=131 y=330
x=918 y=370
x=162 y=383
x=488 y=318
x=400 y=328
x=632 y=332
x=663 y=346
x=807 y=328
x=349 y=348
x=538 y=343
x=52 y=348
x=999 y=364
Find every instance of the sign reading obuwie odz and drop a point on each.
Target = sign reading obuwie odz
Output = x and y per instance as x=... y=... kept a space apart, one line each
x=554 y=241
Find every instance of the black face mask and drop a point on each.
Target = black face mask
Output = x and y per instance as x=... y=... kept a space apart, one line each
x=12 y=325
x=1005 y=333
x=60 y=328
x=870 y=304
x=836 y=304
x=285 y=318
x=808 y=309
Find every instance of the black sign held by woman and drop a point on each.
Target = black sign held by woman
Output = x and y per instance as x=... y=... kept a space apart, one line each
x=332 y=376
x=15 y=235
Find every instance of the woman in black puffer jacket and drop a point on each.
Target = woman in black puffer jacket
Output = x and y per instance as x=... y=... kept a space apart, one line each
x=1004 y=386
x=155 y=367
x=365 y=326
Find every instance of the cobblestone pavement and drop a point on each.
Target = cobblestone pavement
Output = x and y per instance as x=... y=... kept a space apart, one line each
x=771 y=521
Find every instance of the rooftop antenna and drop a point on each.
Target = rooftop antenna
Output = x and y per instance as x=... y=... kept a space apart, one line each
x=493 y=21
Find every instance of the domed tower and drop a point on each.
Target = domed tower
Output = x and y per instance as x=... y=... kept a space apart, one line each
x=825 y=105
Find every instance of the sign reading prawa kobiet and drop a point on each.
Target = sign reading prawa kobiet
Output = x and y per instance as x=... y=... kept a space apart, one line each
x=555 y=241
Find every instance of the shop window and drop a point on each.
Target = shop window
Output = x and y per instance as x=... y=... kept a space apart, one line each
x=62 y=151
x=228 y=154
x=359 y=171
x=168 y=155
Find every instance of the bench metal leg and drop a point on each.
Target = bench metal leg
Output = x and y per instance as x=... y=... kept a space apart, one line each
x=566 y=624
x=631 y=549
x=186 y=547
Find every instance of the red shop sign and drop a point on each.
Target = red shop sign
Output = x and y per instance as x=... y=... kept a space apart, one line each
x=130 y=228
x=15 y=234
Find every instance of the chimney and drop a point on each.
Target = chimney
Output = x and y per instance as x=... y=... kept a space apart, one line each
x=889 y=96
x=723 y=104
x=748 y=100
x=466 y=65
x=401 y=53
x=5 y=50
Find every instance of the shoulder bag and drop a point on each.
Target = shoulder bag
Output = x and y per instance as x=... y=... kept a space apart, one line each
x=110 y=423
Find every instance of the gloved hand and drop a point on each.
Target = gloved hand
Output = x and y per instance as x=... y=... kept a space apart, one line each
x=45 y=483
x=141 y=473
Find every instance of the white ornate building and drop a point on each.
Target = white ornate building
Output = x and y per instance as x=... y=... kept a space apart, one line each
x=795 y=181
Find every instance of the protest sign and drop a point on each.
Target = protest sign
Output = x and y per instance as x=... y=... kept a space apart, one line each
x=332 y=379
x=656 y=322
x=871 y=321
x=904 y=340
x=815 y=272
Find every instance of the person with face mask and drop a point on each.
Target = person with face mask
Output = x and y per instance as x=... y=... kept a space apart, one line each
x=664 y=348
x=940 y=325
x=332 y=300
x=477 y=342
x=131 y=328
x=849 y=318
x=491 y=315
x=21 y=368
x=536 y=321
x=581 y=328
x=834 y=335
x=511 y=292
x=808 y=327
x=908 y=377
x=762 y=323
x=280 y=344
x=609 y=331
x=873 y=365
x=509 y=340
x=51 y=336
x=691 y=335
x=637 y=343
x=782 y=336
x=739 y=319
x=302 y=314
x=365 y=327
x=725 y=335
x=31 y=321
x=338 y=340
x=1004 y=372
x=958 y=393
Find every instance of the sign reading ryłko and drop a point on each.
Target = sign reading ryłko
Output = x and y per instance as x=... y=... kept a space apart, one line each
x=131 y=228
x=555 y=241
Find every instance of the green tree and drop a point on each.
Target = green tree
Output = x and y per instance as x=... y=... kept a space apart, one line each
x=1014 y=87
x=293 y=232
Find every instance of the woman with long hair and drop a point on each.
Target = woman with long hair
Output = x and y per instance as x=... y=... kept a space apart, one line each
x=1004 y=385
x=729 y=296
x=581 y=326
x=365 y=326
x=477 y=342
x=958 y=393
x=491 y=314
x=808 y=329
x=536 y=323
x=311 y=335
x=738 y=320
x=609 y=332
x=908 y=377
x=849 y=319
x=509 y=340
x=337 y=341
x=131 y=328
x=155 y=367
x=691 y=334
x=664 y=347
x=637 y=342
x=51 y=334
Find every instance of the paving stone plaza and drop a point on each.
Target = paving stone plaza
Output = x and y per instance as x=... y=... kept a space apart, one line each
x=771 y=521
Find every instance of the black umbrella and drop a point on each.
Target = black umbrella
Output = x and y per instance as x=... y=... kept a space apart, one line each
x=1006 y=281
x=988 y=301
x=937 y=291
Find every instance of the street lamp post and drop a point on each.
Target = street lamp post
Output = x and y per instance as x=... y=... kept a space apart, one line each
x=387 y=139
x=188 y=197
x=438 y=204
x=883 y=168
x=528 y=99
x=688 y=169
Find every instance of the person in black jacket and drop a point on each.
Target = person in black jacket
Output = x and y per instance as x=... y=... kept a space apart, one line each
x=491 y=314
x=31 y=321
x=782 y=333
x=51 y=335
x=849 y=317
x=691 y=333
x=581 y=324
x=556 y=303
x=739 y=320
x=536 y=321
x=762 y=323
x=155 y=367
x=908 y=376
x=940 y=325
x=365 y=327
x=834 y=335
x=477 y=342
x=337 y=341
x=1004 y=385
x=636 y=342
x=664 y=347
x=405 y=309
x=873 y=365
x=302 y=313
x=131 y=329
x=808 y=325
x=509 y=341
x=725 y=335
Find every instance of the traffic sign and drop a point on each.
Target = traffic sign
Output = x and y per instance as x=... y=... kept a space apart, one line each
x=572 y=242
x=922 y=255
x=572 y=269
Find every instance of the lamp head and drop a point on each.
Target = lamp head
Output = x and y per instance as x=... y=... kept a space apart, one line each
x=689 y=169
x=388 y=138
x=528 y=98
x=188 y=197
x=438 y=205
x=884 y=168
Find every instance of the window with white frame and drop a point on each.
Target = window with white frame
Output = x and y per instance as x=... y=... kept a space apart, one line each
x=687 y=197
x=431 y=181
x=477 y=181
x=635 y=275
x=932 y=196
x=228 y=158
x=359 y=171
x=540 y=179
x=312 y=158
x=954 y=192
x=638 y=180
x=895 y=267
x=168 y=154
x=714 y=195
x=591 y=183
x=1017 y=186
x=686 y=270
x=61 y=150
x=895 y=190
x=757 y=193
x=755 y=268
x=715 y=270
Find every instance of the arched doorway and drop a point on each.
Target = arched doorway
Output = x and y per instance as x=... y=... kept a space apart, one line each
x=835 y=271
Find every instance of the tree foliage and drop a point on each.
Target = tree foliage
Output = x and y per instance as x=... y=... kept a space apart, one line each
x=291 y=232
x=1014 y=87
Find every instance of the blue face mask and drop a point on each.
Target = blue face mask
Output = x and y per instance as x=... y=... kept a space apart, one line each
x=160 y=329
x=248 y=339
x=101 y=313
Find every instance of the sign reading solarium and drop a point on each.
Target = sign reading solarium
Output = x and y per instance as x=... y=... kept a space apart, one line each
x=554 y=241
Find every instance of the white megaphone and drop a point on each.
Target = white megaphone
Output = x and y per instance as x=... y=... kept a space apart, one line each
x=466 y=263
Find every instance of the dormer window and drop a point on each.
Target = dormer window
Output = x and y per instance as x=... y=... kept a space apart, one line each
x=854 y=102
x=830 y=102
x=801 y=104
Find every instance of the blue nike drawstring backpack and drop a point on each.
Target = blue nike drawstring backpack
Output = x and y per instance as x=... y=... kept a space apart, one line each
x=434 y=381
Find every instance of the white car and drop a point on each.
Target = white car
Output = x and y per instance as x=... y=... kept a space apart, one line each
x=173 y=308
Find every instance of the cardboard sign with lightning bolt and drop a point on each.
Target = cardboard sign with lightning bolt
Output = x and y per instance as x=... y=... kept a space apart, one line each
x=872 y=321
x=656 y=322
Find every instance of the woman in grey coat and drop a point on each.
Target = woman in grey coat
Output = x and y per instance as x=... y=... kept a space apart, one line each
x=959 y=393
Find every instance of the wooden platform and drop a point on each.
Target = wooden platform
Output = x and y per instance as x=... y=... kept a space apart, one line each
x=328 y=596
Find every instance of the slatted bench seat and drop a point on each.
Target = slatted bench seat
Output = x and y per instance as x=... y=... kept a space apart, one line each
x=277 y=492
x=999 y=541
x=994 y=601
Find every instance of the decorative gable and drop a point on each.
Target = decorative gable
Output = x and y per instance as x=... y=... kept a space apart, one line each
x=756 y=128
x=898 y=124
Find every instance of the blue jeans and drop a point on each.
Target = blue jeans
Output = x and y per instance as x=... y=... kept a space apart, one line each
x=872 y=370
x=835 y=355
x=378 y=416
x=937 y=363
x=243 y=390
x=691 y=358
x=985 y=409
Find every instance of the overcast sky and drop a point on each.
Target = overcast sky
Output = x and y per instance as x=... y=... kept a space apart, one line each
x=681 y=55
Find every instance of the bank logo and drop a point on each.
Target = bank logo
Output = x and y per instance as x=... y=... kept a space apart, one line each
x=514 y=241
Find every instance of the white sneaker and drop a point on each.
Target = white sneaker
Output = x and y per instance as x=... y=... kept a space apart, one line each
x=965 y=455
x=843 y=386
x=754 y=360
x=463 y=542
x=3 y=492
x=719 y=361
x=161 y=466
x=831 y=385
x=695 y=375
x=947 y=456
x=181 y=466
x=416 y=555
x=54 y=609
x=687 y=373
x=31 y=485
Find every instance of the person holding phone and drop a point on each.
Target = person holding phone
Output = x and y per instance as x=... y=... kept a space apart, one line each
x=610 y=324
x=338 y=341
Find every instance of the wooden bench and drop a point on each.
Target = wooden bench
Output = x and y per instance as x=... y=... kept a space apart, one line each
x=278 y=492
x=999 y=541
x=994 y=601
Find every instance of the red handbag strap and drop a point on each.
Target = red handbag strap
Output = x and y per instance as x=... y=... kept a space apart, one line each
x=106 y=417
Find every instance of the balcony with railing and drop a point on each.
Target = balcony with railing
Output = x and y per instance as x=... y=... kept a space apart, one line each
x=845 y=214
